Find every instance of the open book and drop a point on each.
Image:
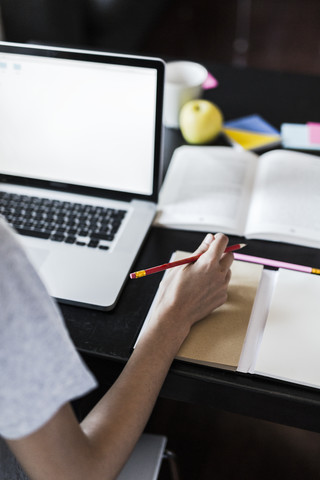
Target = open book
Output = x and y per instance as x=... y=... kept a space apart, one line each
x=269 y=326
x=271 y=197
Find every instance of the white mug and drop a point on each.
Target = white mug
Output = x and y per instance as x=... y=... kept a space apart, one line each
x=183 y=82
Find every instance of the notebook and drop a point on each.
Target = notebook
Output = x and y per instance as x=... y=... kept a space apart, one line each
x=80 y=129
x=217 y=340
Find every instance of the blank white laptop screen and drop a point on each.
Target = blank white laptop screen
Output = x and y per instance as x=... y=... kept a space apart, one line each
x=62 y=139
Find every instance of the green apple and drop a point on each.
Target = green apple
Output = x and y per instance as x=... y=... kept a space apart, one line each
x=200 y=121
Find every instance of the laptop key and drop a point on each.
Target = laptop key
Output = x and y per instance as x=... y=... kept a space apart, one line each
x=102 y=236
x=57 y=237
x=93 y=243
x=33 y=233
x=70 y=239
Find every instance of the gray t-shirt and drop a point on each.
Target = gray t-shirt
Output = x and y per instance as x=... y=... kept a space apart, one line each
x=40 y=370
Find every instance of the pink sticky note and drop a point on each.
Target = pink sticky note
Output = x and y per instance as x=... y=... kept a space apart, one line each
x=210 y=82
x=314 y=132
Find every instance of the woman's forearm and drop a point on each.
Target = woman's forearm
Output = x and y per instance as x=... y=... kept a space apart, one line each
x=121 y=415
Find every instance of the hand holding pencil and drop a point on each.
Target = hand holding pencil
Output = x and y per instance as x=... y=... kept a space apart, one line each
x=187 y=295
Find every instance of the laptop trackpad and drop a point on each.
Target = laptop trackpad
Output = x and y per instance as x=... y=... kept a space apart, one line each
x=37 y=256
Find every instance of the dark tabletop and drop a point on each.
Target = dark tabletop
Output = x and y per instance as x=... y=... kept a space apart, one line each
x=106 y=339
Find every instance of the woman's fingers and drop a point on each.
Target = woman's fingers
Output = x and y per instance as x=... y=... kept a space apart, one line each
x=203 y=247
x=216 y=248
x=226 y=261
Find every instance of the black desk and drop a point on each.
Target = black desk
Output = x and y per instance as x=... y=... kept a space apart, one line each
x=106 y=339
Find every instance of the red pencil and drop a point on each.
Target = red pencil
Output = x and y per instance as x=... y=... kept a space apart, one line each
x=165 y=266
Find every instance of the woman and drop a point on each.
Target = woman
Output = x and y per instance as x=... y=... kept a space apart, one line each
x=41 y=372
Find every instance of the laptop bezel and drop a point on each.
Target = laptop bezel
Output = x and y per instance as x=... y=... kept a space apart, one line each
x=98 y=57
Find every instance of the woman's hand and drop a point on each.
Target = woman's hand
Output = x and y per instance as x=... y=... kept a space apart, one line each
x=190 y=292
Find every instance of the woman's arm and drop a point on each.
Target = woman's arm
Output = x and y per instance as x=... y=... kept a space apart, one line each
x=99 y=447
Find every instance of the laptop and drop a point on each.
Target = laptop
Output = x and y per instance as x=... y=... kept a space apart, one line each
x=80 y=148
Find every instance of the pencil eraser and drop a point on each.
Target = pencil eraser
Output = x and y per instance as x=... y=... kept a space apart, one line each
x=132 y=275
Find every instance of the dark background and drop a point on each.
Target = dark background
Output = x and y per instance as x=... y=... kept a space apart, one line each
x=272 y=34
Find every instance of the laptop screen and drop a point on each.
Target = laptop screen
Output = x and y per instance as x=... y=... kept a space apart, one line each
x=89 y=120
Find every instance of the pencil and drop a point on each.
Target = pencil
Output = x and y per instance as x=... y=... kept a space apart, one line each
x=184 y=261
x=276 y=263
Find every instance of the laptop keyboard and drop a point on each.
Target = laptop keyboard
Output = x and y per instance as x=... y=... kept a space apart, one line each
x=73 y=223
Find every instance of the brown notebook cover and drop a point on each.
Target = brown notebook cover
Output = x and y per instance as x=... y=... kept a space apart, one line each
x=217 y=340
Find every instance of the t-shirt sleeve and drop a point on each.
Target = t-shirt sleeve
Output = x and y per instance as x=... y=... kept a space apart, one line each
x=40 y=369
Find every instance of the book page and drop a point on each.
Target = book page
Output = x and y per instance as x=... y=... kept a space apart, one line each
x=286 y=203
x=290 y=344
x=207 y=189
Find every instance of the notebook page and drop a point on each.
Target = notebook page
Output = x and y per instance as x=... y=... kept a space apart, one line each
x=290 y=345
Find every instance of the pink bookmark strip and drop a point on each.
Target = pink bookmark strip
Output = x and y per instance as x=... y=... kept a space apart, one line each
x=272 y=263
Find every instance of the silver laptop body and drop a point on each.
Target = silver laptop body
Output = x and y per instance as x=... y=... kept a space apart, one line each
x=82 y=127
